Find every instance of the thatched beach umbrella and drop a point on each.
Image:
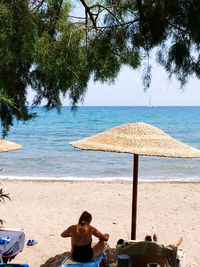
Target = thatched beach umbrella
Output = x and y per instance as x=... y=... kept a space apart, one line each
x=6 y=146
x=138 y=139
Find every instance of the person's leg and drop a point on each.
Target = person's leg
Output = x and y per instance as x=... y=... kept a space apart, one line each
x=178 y=242
x=98 y=248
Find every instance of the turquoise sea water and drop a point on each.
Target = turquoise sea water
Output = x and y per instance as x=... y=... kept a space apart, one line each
x=46 y=153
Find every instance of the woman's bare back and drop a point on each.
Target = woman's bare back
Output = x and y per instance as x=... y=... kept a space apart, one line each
x=81 y=235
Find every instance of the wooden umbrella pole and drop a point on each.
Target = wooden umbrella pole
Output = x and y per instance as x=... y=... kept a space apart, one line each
x=134 y=197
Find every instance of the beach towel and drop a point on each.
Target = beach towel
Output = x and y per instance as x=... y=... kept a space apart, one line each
x=93 y=263
x=13 y=265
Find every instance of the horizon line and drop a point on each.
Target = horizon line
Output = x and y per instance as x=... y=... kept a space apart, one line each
x=146 y=106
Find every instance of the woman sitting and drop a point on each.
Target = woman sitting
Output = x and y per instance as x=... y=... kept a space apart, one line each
x=81 y=239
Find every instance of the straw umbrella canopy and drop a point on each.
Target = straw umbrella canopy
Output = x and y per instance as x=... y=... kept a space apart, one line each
x=6 y=146
x=137 y=139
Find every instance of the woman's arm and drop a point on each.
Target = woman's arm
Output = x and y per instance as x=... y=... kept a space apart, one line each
x=68 y=231
x=99 y=235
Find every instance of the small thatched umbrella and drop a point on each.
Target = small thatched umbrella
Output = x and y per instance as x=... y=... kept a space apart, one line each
x=6 y=146
x=138 y=139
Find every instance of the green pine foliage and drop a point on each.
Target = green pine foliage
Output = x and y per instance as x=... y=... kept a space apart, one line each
x=3 y=196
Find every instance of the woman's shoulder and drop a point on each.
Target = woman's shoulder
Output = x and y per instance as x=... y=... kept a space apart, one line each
x=73 y=226
x=92 y=228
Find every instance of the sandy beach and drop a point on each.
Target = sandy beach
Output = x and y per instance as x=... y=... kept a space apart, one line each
x=45 y=208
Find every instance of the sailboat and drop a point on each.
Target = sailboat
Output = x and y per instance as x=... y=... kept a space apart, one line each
x=150 y=105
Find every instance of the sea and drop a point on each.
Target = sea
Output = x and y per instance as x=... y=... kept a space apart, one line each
x=47 y=154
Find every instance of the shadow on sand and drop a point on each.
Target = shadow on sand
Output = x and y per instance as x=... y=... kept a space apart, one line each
x=56 y=260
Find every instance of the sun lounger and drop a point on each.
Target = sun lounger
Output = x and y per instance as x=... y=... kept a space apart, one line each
x=144 y=252
x=12 y=245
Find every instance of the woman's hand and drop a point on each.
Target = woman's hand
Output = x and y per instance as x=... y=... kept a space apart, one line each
x=106 y=237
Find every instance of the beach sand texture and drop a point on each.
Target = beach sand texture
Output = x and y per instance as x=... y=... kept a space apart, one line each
x=45 y=208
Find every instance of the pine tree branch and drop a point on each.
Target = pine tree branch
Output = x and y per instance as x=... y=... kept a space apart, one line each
x=87 y=11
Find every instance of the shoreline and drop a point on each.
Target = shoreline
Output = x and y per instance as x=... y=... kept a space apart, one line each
x=45 y=208
x=96 y=180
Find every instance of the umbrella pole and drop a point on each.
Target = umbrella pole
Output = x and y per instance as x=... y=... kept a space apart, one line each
x=134 y=197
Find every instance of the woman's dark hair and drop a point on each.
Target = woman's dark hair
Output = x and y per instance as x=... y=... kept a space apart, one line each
x=85 y=217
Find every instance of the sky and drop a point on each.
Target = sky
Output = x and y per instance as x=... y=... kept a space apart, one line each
x=128 y=90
